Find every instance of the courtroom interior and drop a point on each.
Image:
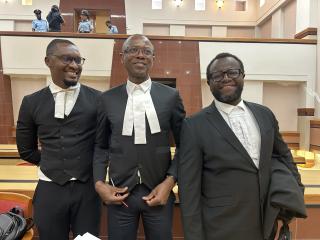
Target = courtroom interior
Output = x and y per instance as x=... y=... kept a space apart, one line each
x=277 y=40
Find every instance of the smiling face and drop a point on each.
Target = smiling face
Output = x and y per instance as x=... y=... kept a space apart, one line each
x=64 y=75
x=137 y=57
x=228 y=90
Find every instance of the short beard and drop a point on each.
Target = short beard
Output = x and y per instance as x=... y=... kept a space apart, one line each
x=229 y=99
x=69 y=83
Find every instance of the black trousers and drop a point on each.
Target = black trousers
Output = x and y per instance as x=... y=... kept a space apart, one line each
x=58 y=209
x=123 y=222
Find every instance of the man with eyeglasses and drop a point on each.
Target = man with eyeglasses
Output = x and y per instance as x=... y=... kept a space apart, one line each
x=225 y=159
x=134 y=125
x=56 y=130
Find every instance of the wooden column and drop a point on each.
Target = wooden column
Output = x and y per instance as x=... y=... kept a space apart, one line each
x=6 y=109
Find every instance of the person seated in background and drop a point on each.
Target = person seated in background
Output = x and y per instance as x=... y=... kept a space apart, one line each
x=39 y=25
x=55 y=19
x=111 y=29
x=85 y=25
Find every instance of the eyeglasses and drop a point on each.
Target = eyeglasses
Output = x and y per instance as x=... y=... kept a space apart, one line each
x=69 y=59
x=231 y=73
x=135 y=51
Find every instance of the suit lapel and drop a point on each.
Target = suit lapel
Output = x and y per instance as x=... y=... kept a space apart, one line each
x=123 y=96
x=121 y=102
x=48 y=99
x=215 y=118
x=154 y=92
x=76 y=104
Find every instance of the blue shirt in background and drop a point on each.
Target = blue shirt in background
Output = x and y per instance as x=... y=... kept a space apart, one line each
x=113 y=29
x=40 y=25
x=85 y=26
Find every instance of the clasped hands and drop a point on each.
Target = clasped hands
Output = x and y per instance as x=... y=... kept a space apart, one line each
x=115 y=195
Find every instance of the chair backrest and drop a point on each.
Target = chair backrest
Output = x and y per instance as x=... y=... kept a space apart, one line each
x=9 y=200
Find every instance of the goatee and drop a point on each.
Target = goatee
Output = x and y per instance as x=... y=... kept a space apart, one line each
x=229 y=99
x=69 y=83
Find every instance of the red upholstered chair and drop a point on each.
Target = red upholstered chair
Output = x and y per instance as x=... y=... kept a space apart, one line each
x=24 y=164
x=9 y=200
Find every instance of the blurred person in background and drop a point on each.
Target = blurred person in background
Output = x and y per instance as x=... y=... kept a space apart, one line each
x=111 y=29
x=55 y=19
x=39 y=25
x=85 y=25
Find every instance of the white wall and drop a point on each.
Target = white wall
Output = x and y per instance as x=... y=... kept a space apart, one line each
x=14 y=13
x=265 y=29
x=14 y=10
x=99 y=84
x=198 y=31
x=6 y=25
x=289 y=19
x=241 y=32
x=156 y=29
x=317 y=104
x=23 y=60
x=24 y=85
x=23 y=25
x=283 y=100
x=307 y=14
x=25 y=55
x=269 y=8
x=266 y=62
x=186 y=15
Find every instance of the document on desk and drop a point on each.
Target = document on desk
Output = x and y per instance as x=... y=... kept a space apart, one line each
x=86 y=236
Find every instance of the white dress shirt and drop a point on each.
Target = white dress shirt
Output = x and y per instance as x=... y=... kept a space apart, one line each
x=139 y=105
x=244 y=125
x=65 y=99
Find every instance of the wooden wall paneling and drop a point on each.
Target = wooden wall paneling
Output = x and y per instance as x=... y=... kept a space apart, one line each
x=306 y=32
x=173 y=59
x=305 y=111
x=306 y=229
x=6 y=109
x=315 y=135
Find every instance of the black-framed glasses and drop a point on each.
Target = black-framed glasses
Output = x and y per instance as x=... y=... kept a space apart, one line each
x=135 y=51
x=69 y=59
x=231 y=73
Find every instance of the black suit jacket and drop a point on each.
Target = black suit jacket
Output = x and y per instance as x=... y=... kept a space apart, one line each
x=124 y=158
x=222 y=192
x=66 y=144
x=285 y=198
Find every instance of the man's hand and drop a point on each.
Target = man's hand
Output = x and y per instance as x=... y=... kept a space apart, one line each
x=110 y=194
x=160 y=194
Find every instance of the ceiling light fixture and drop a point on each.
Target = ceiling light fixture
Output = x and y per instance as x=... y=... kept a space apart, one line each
x=178 y=3
x=220 y=3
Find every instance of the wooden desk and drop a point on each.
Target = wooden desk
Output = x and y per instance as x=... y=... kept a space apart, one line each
x=23 y=179
x=9 y=151
x=18 y=178
x=8 y=147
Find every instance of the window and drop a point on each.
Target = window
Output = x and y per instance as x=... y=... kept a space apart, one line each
x=262 y=2
x=240 y=5
x=200 y=5
x=156 y=4
x=26 y=2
